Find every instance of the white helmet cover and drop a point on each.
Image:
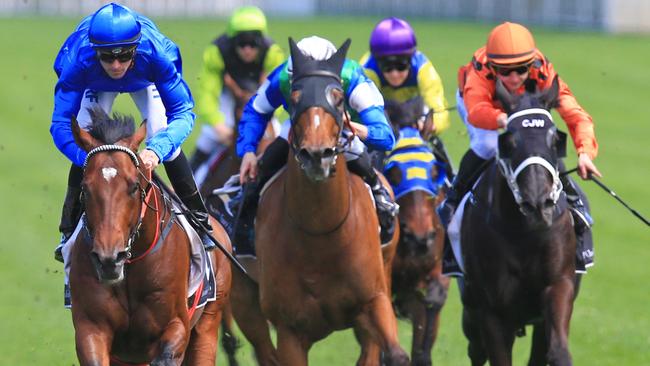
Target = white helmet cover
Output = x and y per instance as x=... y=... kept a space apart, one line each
x=315 y=47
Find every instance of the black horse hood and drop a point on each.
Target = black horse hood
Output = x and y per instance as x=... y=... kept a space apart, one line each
x=314 y=80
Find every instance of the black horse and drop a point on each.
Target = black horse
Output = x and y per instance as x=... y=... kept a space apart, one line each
x=518 y=241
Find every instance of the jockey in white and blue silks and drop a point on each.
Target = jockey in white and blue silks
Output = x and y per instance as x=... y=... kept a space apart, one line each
x=362 y=100
x=113 y=51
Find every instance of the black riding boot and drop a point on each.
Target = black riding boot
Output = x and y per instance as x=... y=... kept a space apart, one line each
x=198 y=158
x=272 y=160
x=386 y=208
x=469 y=170
x=180 y=176
x=582 y=219
x=72 y=209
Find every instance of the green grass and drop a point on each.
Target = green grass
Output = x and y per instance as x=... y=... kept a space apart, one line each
x=608 y=74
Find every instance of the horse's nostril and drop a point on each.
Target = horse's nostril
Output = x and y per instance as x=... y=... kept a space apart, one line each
x=328 y=152
x=122 y=256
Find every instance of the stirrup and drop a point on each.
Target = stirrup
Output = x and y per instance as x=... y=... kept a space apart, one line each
x=58 y=251
x=208 y=244
x=446 y=212
x=582 y=221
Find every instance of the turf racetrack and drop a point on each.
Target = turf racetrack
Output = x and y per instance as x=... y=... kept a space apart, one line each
x=608 y=74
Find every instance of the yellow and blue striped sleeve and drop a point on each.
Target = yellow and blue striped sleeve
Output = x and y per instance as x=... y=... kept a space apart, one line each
x=433 y=93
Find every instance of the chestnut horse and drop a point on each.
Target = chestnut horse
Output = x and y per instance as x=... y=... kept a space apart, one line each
x=419 y=288
x=319 y=261
x=130 y=265
x=518 y=242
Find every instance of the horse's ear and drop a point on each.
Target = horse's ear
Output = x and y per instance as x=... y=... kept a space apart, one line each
x=138 y=136
x=550 y=95
x=82 y=137
x=506 y=145
x=560 y=144
x=508 y=101
x=337 y=60
x=297 y=57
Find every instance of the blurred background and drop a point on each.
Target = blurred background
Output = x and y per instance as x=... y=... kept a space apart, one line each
x=599 y=47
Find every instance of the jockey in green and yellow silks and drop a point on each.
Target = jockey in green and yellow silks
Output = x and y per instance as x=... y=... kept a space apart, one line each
x=234 y=66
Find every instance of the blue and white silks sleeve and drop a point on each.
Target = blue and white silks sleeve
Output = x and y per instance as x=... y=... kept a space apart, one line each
x=368 y=102
x=178 y=102
x=257 y=113
x=68 y=93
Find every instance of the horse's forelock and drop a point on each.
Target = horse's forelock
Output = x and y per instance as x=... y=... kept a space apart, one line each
x=110 y=130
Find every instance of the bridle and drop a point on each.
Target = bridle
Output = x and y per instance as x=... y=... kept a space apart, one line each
x=511 y=174
x=146 y=193
x=340 y=115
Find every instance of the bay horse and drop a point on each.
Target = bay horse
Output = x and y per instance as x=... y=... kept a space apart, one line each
x=319 y=262
x=518 y=242
x=130 y=264
x=419 y=289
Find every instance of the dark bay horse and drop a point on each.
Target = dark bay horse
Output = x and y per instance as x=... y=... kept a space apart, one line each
x=319 y=262
x=518 y=242
x=418 y=286
x=130 y=265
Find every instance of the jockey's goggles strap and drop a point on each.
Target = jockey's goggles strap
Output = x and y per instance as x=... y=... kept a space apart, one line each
x=104 y=148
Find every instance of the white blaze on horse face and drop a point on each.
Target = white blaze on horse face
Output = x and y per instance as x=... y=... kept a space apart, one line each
x=109 y=173
x=316 y=120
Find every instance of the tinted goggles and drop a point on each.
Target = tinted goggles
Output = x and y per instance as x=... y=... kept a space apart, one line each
x=247 y=43
x=506 y=70
x=248 y=39
x=110 y=56
x=399 y=65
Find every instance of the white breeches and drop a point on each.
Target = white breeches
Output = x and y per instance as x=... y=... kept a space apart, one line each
x=483 y=142
x=147 y=100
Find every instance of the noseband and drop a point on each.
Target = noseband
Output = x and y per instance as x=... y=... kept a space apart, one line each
x=511 y=176
x=145 y=195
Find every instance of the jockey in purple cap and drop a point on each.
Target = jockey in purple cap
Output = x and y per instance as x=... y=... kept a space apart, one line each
x=402 y=73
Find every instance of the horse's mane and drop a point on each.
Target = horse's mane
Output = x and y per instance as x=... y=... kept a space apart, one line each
x=110 y=130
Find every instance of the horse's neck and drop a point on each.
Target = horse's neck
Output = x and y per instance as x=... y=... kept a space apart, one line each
x=317 y=206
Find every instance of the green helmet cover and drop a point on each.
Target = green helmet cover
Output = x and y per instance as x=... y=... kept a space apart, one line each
x=246 y=18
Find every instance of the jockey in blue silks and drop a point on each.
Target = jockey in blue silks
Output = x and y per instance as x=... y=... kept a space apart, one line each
x=364 y=103
x=112 y=51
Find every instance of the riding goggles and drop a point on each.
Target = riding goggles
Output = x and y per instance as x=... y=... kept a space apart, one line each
x=120 y=54
x=250 y=39
x=390 y=64
x=505 y=70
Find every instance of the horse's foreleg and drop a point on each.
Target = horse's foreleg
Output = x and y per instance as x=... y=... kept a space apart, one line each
x=471 y=329
x=229 y=341
x=172 y=344
x=498 y=337
x=538 y=347
x=248 y=314
x=292 y=348
x=202 y=349
x=382 y=323
x=93 y=344
x=557 y=314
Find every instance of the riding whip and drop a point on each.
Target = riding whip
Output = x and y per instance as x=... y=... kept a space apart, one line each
x=191 y=216
x=613 y=194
